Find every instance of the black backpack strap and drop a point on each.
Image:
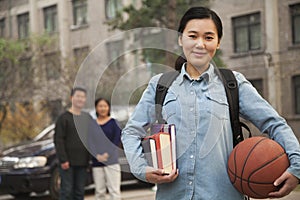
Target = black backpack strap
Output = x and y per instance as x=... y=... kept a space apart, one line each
x=164 y=82
x=232 y=93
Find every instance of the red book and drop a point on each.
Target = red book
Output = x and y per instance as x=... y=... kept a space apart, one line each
x=160 y=155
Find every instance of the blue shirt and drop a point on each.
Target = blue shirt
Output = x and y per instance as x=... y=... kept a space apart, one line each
x=199 y=109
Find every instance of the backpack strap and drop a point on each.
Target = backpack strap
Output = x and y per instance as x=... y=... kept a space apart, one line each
x=164 y=82
x=232 y=93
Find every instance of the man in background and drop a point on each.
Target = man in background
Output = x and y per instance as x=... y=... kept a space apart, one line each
x=71 y=130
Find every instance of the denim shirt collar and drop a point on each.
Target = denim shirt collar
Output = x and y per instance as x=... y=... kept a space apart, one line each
x=207 y=76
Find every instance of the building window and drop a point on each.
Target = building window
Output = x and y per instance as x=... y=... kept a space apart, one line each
x=247 y=33
x=80 y=54
x=80 y=12
x=258 y=84
x=23 y=25
x=115 y=50
x=296 y=84
x=25 y=70
x=295 y=19
x=2 y=27
x=112 y=7
x=53 y=68
x=50 y=19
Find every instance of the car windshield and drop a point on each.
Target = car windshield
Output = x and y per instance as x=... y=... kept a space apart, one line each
x=46 y=134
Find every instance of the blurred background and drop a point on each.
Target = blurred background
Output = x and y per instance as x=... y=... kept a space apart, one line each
x=44 y=42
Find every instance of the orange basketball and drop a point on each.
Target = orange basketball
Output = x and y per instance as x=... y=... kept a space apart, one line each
x=254 y=165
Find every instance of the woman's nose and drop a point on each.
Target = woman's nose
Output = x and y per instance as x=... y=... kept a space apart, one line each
x=200 y=43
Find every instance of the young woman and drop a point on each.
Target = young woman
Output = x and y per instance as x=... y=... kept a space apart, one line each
x=196 y=103
x=106 y=168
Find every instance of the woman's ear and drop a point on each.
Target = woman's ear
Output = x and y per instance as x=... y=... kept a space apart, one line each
x=218 y=46
x=180 y=40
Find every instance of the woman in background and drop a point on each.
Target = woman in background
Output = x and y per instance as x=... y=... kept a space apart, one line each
x=106 y=168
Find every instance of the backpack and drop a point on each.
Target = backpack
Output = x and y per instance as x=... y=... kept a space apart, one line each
x=232 y=94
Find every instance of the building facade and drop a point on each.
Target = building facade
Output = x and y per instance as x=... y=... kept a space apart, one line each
x=261 y=40
x=75 y=28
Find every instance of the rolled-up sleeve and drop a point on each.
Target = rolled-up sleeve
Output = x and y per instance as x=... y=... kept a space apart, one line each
x=258 y=111
x=132 y=134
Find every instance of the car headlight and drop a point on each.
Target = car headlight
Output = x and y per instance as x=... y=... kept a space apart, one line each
x=31 y=162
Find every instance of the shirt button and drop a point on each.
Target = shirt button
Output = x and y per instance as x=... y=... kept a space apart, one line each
x=190 y=183
x=192 y=156
x=191 y=109
x=192 y=93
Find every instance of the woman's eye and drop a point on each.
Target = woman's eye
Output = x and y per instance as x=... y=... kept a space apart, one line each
x=192 y=36
x=209 y=38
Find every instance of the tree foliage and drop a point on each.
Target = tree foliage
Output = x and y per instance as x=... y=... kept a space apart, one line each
x=22 y=123
x=153 y=13
x=23 y=79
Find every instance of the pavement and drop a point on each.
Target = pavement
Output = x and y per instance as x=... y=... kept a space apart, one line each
x=139 y=193
x=149 y=194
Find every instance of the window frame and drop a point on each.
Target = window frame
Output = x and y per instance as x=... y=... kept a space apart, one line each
x=248 y=25
x=80 y=5
x=117 y=47
x=296 y=87
x=23 y=23
x=294 y=15
x=52 y=66
x=50 y=12
x=117 y=7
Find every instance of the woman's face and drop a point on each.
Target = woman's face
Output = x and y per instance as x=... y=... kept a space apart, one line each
x=199 y=42
x=102 y=108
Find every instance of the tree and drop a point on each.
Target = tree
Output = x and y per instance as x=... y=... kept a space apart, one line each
x=31 y=73
x=10 y=53
x=21 y=124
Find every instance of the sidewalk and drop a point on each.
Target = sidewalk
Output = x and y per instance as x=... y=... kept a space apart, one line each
x=295 y=195
x=136 y=194
x=148 y=194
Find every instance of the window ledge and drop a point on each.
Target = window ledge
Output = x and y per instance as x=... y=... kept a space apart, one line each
x=294 y=46
x=248 y=53
x=78 y=27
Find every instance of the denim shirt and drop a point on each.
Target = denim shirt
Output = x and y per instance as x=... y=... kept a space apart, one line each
x=199 y=109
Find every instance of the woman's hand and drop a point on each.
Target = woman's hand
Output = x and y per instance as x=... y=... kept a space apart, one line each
x=288 y=181
x=158 y=175
x=102 y=157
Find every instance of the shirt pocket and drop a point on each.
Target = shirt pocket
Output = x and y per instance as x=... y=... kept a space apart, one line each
x=170 y=106
x=218 y=105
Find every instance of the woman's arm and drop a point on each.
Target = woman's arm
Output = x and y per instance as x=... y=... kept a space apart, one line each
x=258 y=111
x=134 y=131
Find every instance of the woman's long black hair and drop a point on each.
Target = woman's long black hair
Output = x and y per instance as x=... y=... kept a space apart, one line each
x=197 y=13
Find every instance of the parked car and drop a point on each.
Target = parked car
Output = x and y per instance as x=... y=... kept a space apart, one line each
x=33 y=167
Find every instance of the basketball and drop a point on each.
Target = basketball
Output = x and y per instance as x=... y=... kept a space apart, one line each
x=254 y=165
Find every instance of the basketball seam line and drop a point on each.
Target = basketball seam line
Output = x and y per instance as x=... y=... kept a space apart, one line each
x=265 y=164
x=246 y=160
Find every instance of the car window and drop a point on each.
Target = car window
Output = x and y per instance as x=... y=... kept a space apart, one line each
x=47 y=136
x=47 y=133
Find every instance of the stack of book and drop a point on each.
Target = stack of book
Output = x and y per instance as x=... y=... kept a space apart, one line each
x=160 y=147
